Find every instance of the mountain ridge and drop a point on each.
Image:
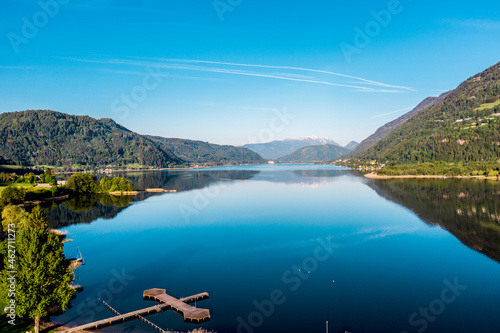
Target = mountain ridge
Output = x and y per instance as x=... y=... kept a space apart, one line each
x=388 y=127
x=319 y=153
x=278 y=148
x=46 y=137
x=463 y=127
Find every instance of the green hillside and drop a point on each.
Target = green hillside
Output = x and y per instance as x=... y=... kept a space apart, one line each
x=315 y=154
x=464 y=127
x=204 y=153
x=387 y=128
x=43 y=137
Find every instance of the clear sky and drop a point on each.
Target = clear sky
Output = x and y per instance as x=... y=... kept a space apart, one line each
x=240 y=71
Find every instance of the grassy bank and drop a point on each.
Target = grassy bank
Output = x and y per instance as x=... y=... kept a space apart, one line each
x=479 y=169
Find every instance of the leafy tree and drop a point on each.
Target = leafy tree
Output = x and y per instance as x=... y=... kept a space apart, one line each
x=29 y=178
x=43 y=276
x=12 y=195
x=120 y=184
x=14 y=215
x=105 y=184
x=82 y=183
x=48 y=177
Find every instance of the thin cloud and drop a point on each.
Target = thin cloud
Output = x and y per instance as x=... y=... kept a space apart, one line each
x=392 y=112
x=362 y=85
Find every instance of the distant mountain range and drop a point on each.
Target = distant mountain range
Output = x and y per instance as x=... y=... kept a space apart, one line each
x=352 y=145
x=44 y=137
x=275 y=149
x=384 y=130
x=462 y=127
x=319 y=153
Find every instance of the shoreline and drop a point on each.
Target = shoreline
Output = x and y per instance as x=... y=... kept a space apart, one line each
x=373 y=175
x=159 y=169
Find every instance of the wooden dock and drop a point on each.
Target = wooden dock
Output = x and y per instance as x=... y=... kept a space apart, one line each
x=181 y=306
x=167 y=302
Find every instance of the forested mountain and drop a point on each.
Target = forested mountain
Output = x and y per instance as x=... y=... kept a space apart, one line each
x=278 y=148
x=315 y=154
x=199 y=152
x=461 y=128
x=43 y=137
x=384 y=130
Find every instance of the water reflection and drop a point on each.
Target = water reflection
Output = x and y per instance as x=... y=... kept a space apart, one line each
x=468 y=209
x=86 y=209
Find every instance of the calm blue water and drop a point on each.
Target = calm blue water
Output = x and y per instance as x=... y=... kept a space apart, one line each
x=287 y=248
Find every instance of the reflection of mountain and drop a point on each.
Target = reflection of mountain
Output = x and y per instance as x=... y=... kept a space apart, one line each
x=469 y=210
x=308 y=178
x=184 y=180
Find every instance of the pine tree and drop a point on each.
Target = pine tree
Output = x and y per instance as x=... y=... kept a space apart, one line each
x=43 y=276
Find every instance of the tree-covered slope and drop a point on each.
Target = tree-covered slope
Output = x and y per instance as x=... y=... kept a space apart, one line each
x=43 y=137
x=387 y=128
x=463 y=127
x=315 y=154
x=199 y=152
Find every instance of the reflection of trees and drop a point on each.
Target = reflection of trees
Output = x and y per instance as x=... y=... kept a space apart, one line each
x=470 y=210
x=184 y=180
x=87 y=208
x=90 y=207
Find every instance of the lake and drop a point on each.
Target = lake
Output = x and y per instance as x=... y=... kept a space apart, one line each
x=286 y=248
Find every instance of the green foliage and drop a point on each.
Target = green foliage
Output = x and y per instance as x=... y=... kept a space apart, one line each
x=14 y=215
x=204 y=153
x=82 y=183
x=48 y=177
x=446 y=131
x=43 y=137
x=120 y=184
x=105 y=184
x=318 y=153
x=442 y=168
x=12 y=195
x=43 y=277
x=28 y=178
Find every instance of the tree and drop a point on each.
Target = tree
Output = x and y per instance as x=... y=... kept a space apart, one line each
x=120 y=184
x=12 y=195
x=43 y=276
x=48 y=177
x=82 y=183
x=105 y=184
x=14 y=215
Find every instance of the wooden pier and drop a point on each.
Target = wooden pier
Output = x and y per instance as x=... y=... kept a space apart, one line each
x=181 y=306
x=167 y=302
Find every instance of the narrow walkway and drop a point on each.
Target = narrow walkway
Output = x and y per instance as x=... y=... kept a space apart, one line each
x=167 y=302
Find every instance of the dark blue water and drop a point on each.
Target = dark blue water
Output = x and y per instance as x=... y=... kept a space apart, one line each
x=288 y=248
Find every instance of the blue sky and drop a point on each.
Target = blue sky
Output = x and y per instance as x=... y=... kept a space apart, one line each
x=240 y=71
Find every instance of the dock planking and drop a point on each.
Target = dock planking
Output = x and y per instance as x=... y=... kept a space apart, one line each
x=181 y=306
x=166 y=302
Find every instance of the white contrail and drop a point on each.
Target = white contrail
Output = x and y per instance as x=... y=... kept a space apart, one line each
x=170 y=63
x=392 y=112
x=284 y=67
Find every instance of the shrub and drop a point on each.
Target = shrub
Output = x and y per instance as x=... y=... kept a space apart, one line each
x=13 y=195
x=82 y=183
